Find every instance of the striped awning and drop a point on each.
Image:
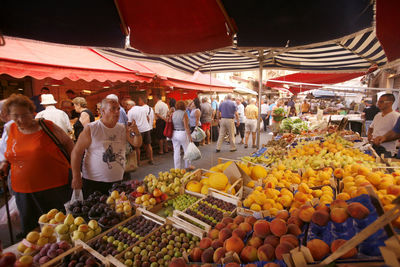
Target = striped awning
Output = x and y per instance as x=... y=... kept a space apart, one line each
x=358 y=52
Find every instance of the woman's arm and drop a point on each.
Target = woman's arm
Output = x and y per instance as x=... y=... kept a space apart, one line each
x=84 y=118
x=197 y=114
x=84 y=142
x=186 y=125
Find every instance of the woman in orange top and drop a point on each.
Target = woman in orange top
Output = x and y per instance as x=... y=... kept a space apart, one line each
x=39 y=170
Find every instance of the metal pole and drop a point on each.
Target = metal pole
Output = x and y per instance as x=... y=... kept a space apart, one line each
x=261 y=61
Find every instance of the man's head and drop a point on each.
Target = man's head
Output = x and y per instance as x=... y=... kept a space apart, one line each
x=204 y=99
x=252 y=101
x=70 y=94
x=238 y=100
x=385 y=102
x=229 y=97
x=156 y=97
x=109 y=111
x=112 y=96
x=129 y=104
x=44 y=90
x=141 y=101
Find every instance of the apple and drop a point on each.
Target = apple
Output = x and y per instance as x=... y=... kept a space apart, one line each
x=93 y=224
x=83 y=228
x=8 y=259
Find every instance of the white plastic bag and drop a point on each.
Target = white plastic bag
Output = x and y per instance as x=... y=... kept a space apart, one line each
x=77 y=195
x=14 y=213
x=192 y=152
x=198 y=134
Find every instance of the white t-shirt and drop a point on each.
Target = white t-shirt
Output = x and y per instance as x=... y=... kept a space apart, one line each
x=264 y=109
x=381 y=125
x=140 y=114
x=151 y=116
x=240 y=111
x=161 y=109
x=57 y=116
x=104 y=159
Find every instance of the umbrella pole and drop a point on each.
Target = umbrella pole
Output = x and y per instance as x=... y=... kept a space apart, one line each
x=261 y=61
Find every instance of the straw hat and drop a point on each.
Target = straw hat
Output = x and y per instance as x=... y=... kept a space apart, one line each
x=47 y=99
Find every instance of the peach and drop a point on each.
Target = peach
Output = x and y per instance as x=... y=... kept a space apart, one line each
x=207 y=255
x=234 y=244
x=205 y=243
x=282 y=214
x=239 y=219
x=232 y=226
x=217 y=244
x=227 y=220
x=294 y=229
x=306 y=212
x=271 y=264
x=273 y=240
x=245 y=227
x=322 y=207
x=224 y=234
x=283 y=248
x=295 y=220
x=266 y=253
x=338 y=203
x=213 y=234
x=295 y=212
x=338 y=243
x=239 y=233
x=338 y=173
x=278 y=227
x=343 y=196
x=219 y=226
x=219 y=253
x=393 y=190
x=289 y=239
x=338 y=215
x=251 y=220
x=195 y=254
x=357 y=210
x=318 y=249
x=261 y=228
x=248 y=254
x=232 y=264
x=255 y=241
x=177 y=262
x=320 y=217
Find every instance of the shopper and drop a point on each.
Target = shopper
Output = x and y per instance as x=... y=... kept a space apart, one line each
x=264 y=114
x=181 y=136
x=37 y=99
x=68 y=106
x=194 y=116
x=161 y=112
x=240 y=129
x=140 y=115
x=39 y=170
x=369 y=114
x=305 y=107
x=382 y=123
x=123 y=118
x=227 y=113
x=51 y=113
x=104 y=144
x=251 y=113
x=391 y=135
x=205 y=119
x=85 y=116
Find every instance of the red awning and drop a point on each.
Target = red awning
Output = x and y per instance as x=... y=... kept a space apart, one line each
x=313 y=78
x=20 y=58
x=176 y=84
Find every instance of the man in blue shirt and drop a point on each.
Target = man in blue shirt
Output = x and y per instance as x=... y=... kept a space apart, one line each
x=228 y=112
x=392 y=135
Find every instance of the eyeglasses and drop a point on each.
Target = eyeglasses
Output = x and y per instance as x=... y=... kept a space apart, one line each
x=22 y=116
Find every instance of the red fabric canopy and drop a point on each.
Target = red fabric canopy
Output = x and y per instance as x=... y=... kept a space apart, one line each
x=315 y=78
x=387 y=27
x=181 y=26
x=20 y=58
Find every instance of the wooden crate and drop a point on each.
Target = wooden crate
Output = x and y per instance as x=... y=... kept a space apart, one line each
x=171 y=221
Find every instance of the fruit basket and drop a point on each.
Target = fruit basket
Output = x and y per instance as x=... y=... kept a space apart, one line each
x=125 y=234
x=170 y=240
x=180 y=202
x=208 y=211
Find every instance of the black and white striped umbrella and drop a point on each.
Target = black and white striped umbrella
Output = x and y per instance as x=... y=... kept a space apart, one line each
x=358 y=52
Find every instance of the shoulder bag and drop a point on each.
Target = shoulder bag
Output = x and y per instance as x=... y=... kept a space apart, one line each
x=54 y=138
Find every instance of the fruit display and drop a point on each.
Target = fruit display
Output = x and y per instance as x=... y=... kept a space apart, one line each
x=76 y=228
x=52 y=217
x=180 y=202
x=250 y=239
x=50 y=251
x=34 y=240
x=273 y=151
x=80 y=258
x=120 y=238
x=165 y=244
x=83 y=208
x=120 y=203
x=126 y=187
x=167 y=182
x=210 y=210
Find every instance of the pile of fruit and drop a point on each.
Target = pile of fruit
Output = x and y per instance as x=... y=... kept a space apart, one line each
x=158 y=249
x=120 y=203
x=210 y=210
x=81 y=258
x=167 y=182
x=126 y=187
x=124 y=236
x=76 y=228
x=53 y=217
x=180 y=202
x=9 y=259
x=50 y=251
x=149 y=200
x=35 y=240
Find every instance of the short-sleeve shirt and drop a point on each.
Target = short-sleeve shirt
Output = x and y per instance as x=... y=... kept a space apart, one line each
x=206 y=112
x=264 y=109
x=251 y=112
x=240 y=110
x=57 y=116
x=161 y=108
x=383 y=124
x=140 y=114
x=214 y=105
x=228 y=109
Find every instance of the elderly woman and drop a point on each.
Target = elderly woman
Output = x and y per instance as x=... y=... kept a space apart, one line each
x=181 y=135
x=85 y=116
x=39 y=170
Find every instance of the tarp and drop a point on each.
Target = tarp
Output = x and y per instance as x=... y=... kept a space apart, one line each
x=314 y=78
x=21 y=57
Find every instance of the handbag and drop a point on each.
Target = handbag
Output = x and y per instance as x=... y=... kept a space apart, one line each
x=169 y=127
x=54 y=138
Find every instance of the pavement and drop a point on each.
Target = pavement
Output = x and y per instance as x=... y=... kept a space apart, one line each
x=164 y=163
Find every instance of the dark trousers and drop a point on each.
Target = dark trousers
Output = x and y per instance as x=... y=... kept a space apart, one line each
x=240 y=130
x=89 y=186
x=265 y=119
x=32 y=205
